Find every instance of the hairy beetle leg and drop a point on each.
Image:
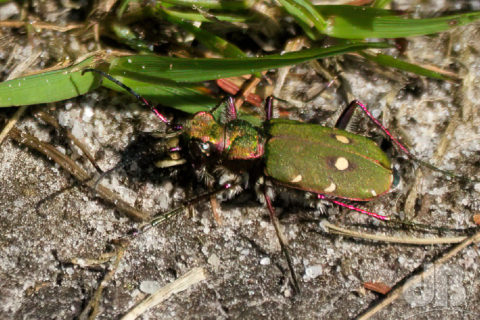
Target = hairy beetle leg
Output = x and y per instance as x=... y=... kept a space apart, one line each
x=348 y=206
x=356 y=103
x=269 y=108
x=281 y=240
x=347 y=113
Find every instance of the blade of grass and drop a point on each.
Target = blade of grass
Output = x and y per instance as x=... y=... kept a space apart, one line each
x=195 y=16
x=49 y=86
x=306 y=14
x=352 y=22
x=389 y=61
x=148 y=68
x=122 y=8
x=213 y=4
x=69 y=82
x=381 y=3
x=127 y=36
x=209 y=40
x=183 y=97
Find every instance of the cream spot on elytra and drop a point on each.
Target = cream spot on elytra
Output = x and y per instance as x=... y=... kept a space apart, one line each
x=296 y=179
x=342 y=139
x=341 y=163
x=330 y=188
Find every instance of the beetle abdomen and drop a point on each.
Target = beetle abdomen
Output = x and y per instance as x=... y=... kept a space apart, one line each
x=326 y=160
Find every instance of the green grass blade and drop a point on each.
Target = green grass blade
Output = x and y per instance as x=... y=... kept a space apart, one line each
x=49 y=86
x=302 y=20
x=122 y=7
x=380 y=3
x=126 y=35
x=353 y=22
x=213 y=4
x=305 y=13
x=389 y=61
x=195 y=16
x=181 y=97
x=195 y=70
x=209 y=40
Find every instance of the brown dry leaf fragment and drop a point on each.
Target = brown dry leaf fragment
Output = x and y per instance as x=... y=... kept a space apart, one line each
x=232 y=88
x=476 y=219
x=378 y=287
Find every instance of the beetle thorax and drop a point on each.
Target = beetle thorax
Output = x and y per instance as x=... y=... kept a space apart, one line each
x=235 y=140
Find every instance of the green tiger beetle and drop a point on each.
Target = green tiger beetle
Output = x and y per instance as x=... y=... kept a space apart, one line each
x=341 y=165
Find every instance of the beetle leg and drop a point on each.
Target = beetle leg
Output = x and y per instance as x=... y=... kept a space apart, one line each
x=281 y=240
x=230 y=112
x=346 y=116
x=231 y=109
x=356 y=103
x=342 y=204
x=269 y=108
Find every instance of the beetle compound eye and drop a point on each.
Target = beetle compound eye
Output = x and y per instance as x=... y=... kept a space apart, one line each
x=201 y=148
x=205 y=146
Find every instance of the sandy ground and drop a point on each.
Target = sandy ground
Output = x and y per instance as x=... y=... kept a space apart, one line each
x=48 y=221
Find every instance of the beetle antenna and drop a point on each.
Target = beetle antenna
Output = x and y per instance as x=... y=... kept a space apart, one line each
x=105 y=174
x=131 y=91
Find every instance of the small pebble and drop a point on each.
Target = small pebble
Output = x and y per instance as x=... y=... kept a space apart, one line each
x=149 y=286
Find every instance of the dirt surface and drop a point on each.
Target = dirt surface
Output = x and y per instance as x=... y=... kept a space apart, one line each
x=51 y=225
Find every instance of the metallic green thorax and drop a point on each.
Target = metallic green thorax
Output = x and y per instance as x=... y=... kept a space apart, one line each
x=326 y=160
x=236 y=140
